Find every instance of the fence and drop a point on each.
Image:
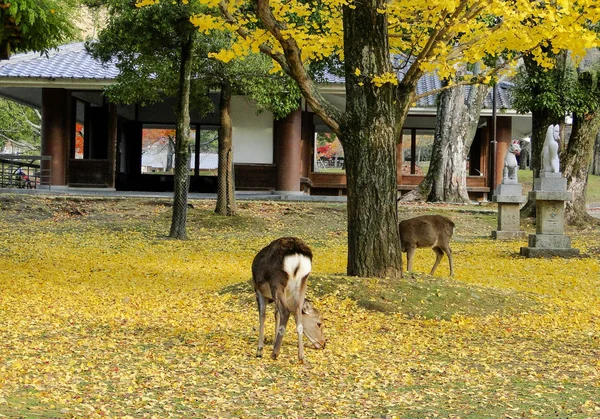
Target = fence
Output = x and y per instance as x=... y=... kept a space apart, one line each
x=21 y=171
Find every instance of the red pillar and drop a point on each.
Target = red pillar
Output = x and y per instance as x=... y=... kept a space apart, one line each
x=503 y=138
x=288 y=152
x=56 y=111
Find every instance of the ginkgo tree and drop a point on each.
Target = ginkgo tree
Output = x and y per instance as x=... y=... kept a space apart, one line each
x=386 y=47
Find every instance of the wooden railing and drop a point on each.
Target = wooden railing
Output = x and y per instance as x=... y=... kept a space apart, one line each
x=24 y=171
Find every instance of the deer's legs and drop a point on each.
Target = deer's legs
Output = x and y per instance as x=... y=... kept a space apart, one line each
x=439 y=254
x=262 y=311
x=410 y=254
x=280 y=332
x=448 y=252
x=282 y=315
x=299 y=325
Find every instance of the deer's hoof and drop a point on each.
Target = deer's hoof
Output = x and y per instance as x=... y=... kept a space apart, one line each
x=274 y=356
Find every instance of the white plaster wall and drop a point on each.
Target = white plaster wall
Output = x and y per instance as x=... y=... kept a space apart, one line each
x=252 y=133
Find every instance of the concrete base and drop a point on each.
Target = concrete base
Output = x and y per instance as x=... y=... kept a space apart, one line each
x=508 y=235
x=508 y=190
x=287 y=193
x=531 y=252
x=549 y=241
x=509 y=220
x=549 y=245
x=550 y=182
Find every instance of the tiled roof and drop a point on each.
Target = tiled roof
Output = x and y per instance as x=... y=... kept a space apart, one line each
x=430 y=82
x=73 y=62
x=68 y=62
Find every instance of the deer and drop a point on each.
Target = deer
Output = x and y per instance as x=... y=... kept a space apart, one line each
x=433 y=231
x=279 y=274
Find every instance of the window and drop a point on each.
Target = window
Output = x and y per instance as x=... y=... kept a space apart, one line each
x=329 y=154
x=79 y=143
x=417 y=145
x=208 y=158
x=158 y=150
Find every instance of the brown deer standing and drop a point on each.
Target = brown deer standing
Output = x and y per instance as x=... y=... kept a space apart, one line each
x=279 y=273
x=433 y=231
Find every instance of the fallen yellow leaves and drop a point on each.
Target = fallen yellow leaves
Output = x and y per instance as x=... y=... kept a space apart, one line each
x=104 y=323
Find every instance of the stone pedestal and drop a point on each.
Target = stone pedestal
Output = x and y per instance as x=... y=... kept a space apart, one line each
x=508 y=196
x=549 y=238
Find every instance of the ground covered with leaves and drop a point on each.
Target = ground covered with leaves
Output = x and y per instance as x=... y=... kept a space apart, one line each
x=102 y=316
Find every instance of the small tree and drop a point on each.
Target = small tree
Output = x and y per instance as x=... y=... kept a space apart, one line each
x=550 y=94
x=152 y=45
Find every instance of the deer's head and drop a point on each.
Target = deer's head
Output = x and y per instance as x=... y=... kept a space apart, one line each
x=312 y=320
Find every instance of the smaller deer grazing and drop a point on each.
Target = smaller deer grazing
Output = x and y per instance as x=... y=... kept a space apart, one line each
x=433 y=231
x=279 y=273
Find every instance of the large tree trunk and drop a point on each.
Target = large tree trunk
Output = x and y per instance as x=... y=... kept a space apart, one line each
x=596 y=162
x=576 y=165
x=368 y=133
x=226 y=204
x=183 y=144
x=455 y=128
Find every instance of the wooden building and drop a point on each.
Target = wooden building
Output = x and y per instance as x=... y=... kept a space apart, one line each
x=95 y=143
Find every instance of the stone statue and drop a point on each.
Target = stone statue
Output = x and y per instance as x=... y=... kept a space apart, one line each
x=550 y=150
x=511 y=167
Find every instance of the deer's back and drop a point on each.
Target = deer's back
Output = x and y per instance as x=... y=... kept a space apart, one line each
x=268 y=264
x=425 y=231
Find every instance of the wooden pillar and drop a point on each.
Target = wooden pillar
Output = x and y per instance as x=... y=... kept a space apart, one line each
x=112 y=144
x=56 y=132
x=503 y=138
x=288 y=152
x=308 y=139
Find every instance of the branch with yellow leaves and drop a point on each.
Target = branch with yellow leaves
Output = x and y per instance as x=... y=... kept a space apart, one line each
x=290 y=61
x=295 y=68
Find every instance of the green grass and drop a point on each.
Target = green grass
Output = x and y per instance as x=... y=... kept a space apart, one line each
x=421 y=296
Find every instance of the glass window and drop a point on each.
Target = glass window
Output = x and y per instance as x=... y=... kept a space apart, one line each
x=329 y=154
x=79 y=130
x=417 y=145
x=158 y=149
x=208 y=158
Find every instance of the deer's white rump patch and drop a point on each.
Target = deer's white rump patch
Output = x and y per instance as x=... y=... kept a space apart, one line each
x=296 y=266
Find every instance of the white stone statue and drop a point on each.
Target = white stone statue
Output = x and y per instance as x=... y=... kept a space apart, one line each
x=511 y=167
x=550 y=150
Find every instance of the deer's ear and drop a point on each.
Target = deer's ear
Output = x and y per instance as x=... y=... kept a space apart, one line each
x=307 y=308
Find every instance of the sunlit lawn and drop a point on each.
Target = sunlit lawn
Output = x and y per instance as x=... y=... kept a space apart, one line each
x=101 y=316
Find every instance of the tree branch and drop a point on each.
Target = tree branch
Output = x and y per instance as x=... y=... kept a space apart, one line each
x=327 y=112
x=290 y=61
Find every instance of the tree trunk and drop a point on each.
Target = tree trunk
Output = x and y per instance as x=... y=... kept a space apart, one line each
x=369 y=132
x=181 y=177
x=226 y=204
x=455 y=128
x=576 y=165
x=596 y=163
